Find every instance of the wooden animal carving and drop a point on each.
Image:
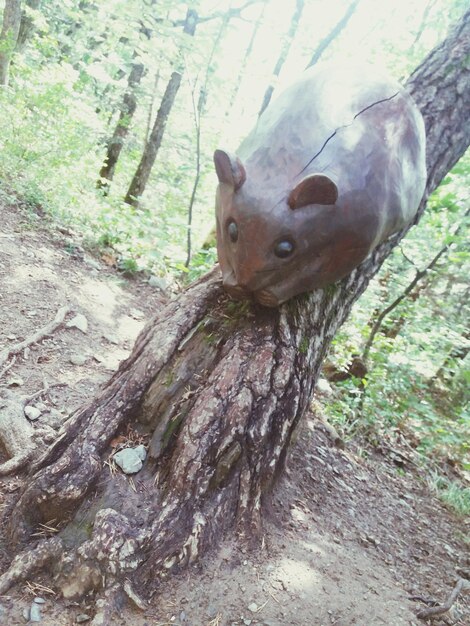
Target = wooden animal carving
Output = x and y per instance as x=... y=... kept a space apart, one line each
x=334 y=166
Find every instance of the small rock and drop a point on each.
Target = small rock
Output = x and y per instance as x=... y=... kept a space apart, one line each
x=80 y=322
x=324 y=387
x=35 y=613
x=82 y=617
x=39 y=601
x=136 y=314
x=26 y=614
x=92 y=263
x=159 y=283
x=15 y=381
x=247 y=621
x=211 y=611
x=129 y=460
x=253 y=607
x=141 y=452
x=11 y=337
x=32 y=412
x=112 y=339
x=78 y=359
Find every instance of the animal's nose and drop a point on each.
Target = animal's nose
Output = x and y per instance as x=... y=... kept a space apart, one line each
x=232 y=286
x=237 y=291
x=266 y=298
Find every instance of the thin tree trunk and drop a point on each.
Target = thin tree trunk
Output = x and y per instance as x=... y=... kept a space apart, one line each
x=245 y=61
x=9 y=37
x=429 y=6
x=139 y=182
x=198 y=112
x=420 y=274
x=127 y=110
x=220 y=388
x=150 y=109
x=458 y=353
x=27 y=24
x=286 y=44
x=328 y=40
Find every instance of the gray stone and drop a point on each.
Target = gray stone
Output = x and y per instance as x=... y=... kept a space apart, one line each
x=111 y=338
x=137 y=314
x=253 y=607
x=82 y=617
x=324 y=387
x=92 y=263
x=26 y=614
x=130 y=460
x=80 y=322
x=39 y=601
x=159 y=283
x=141 y=451
x=35 y=613
x=78 y=359
x=32 y=412
x=15 y=381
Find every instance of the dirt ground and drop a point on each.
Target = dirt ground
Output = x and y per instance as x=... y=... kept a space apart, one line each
x=348 y=540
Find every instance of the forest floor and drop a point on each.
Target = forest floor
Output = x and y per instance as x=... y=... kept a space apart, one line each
x=350 y=537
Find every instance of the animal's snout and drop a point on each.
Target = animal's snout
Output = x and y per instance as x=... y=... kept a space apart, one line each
x=237 y=291
x=266 y=298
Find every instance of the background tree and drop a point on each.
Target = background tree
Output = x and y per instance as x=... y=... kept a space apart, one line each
x=221 y=387
x=286 y=43
x=335 y=31
x=9 y=36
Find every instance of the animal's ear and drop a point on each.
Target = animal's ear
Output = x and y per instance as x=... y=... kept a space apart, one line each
x=229 y=169
x=313 y=189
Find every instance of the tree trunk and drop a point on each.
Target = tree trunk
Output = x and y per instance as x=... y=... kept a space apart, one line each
x=246 y=59
x=299 y=7
x=219 y=388
x=328 y=40
x=128 y=107
x=139 y=182
x=9 y=37
x=27 y=24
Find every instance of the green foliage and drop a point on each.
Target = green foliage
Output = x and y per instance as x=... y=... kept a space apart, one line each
x=419 y=369
x=452 y=493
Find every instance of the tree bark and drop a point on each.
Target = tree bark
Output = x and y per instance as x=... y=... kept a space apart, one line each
x=139 y=182
x=328 y=40
x=286 y=44
x=127 y=110
x=219 y=388
x=27 y=24
x=9 y=37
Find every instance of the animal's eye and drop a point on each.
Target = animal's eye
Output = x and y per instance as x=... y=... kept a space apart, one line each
x=284 y=249
x=232 y=229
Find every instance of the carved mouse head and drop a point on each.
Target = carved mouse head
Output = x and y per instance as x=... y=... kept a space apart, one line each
x=270 y=254
x=334 y=166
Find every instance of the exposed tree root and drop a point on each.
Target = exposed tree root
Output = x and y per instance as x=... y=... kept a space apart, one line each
x=20 y=440
x=46 y=330
x=436 y=611
x=30 y=561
